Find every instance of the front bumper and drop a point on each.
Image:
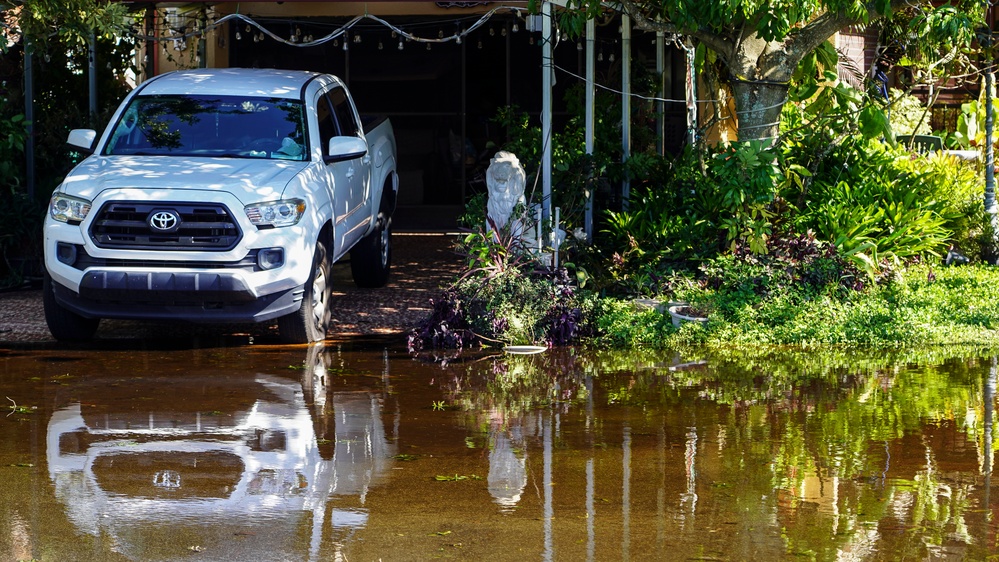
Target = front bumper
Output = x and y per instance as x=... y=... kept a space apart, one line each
x=202 y=297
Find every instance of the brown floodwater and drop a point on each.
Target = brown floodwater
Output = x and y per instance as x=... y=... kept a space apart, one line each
x=359 y=451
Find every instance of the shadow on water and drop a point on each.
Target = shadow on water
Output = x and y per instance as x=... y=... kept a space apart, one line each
x=357 y=450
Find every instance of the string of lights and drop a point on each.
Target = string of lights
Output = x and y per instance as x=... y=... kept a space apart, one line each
x=297 y=39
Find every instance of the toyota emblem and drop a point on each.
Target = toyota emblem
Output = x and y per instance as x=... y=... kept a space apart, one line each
x=164 y=221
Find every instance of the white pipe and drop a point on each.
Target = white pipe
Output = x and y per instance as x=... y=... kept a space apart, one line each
x=591 y=37
x=546 y=108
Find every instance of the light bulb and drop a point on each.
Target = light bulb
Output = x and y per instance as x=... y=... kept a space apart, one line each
x=357 y=39
x=428 y=46
x=238 y=36
x=492 y=32
x=380 y=47
x=503 y=31
x=515 y=27
x=400 y=44
x=612 y=57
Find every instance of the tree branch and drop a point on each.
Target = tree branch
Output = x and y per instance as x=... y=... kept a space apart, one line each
x=712 y=40
x=808 y=38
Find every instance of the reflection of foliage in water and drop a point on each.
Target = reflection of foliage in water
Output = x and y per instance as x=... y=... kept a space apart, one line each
x=838 y=421
x=516 y=384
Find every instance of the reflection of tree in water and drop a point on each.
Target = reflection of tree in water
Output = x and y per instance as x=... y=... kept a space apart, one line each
x=847 y=444
x=516 y=384
x=501 y=394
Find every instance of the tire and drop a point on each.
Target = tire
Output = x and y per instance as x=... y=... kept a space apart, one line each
x=65 y=325
x=311 y=321
x=371 y=258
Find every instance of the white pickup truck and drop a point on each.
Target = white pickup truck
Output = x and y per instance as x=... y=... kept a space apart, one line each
x=221 y=196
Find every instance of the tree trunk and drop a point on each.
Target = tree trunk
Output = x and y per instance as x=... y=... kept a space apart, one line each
x=758 y=107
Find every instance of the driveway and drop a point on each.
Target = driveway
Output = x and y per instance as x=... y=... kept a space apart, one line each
x=422 y=264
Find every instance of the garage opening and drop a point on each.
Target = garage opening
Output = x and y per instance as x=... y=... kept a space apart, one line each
x=442 y=98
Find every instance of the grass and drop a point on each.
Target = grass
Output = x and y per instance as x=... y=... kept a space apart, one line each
x=922 y=306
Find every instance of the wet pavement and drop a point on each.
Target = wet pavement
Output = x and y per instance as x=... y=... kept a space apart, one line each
x=203 y=449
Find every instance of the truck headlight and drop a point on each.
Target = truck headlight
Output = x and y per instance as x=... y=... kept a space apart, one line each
x=276 y=213
x=65 y=208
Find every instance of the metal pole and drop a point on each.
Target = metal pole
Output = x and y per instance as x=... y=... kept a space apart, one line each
x=625 y=105
x=464 y=123
x=546 y=110
x=92 y=78
x=591 y=39
x=29 y=116
x=202 y=40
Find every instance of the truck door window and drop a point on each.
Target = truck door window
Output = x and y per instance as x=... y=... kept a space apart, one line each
x=327 y=126
x=346 y=123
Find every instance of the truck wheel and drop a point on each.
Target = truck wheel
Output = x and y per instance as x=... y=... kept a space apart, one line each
x=310 y=322
x=65 y=325
x=371 y=258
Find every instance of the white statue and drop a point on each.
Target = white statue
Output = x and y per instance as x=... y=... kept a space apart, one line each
x=505 y=179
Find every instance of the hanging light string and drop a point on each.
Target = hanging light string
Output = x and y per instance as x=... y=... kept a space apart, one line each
x=457 y=36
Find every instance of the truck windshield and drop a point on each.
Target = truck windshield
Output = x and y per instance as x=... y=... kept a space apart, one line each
x=216 y=126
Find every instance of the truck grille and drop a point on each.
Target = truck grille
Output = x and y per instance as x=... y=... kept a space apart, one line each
x=127 y=225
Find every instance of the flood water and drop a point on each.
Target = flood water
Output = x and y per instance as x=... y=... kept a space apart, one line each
x=360 y=451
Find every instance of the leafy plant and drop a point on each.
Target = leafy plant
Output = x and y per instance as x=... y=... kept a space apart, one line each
x=746 y=176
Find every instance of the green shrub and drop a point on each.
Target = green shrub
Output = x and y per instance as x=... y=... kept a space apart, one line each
x=619 y=323
x=908 y=115
x=879 y=205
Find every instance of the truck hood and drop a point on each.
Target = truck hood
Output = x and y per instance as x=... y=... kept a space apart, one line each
x=248 y=179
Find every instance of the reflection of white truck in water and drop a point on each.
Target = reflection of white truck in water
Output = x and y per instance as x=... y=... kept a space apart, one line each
x=246 y=483
x=221 y=195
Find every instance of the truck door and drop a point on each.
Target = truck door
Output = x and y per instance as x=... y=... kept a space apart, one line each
x=336 y=174
x=356 y=171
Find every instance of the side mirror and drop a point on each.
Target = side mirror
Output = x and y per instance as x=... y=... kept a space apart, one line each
x=345 y=148
x=82 y=140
